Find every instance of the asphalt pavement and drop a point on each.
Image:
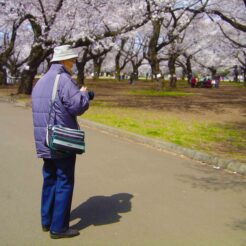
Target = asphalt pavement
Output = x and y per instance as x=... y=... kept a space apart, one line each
x=126 y=193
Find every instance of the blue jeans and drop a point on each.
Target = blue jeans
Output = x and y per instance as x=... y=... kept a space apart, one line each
x=57 y=193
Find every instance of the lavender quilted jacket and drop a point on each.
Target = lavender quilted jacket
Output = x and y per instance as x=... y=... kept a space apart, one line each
x=69 y=103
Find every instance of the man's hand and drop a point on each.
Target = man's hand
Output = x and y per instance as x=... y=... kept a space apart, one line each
x=83 y=89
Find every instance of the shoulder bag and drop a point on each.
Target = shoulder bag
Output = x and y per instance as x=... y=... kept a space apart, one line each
x=63 y=139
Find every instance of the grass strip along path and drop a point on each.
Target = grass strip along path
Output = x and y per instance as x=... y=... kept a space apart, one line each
x=195 y=134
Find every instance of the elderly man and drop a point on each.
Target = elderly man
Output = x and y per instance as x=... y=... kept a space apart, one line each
x=58 y=168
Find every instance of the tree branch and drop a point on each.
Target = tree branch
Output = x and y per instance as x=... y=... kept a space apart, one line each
x=233 y=23
x=229 y=38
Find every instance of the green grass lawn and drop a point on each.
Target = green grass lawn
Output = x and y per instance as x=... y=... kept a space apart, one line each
x=200 y=135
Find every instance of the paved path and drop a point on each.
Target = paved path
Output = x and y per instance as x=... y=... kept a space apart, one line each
x=125 y=194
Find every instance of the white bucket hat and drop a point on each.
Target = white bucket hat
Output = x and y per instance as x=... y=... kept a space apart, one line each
x=64 y=52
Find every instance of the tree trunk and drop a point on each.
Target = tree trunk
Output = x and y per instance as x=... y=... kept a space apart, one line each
x=97 y=66
x=172 y=71
x=236 y=73
x=155 y=66
x=97 y=70
x=135 y=70
x=27 y=78
x=14 y=72
x=244 y=66
x=244 y=76
x=3 y=76
x=184 y=73
x=37 y=56
x=81 y=67
x=189 y=69
x=213 y=72
x=117 y=67
x=81 y=75
x=152 y=50
x=81 y=71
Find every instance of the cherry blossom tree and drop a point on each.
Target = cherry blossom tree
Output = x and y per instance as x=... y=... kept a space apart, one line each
x=229 y=12
x=232 y=12
x=160 y=31
x=12 y=17
x=80 y=22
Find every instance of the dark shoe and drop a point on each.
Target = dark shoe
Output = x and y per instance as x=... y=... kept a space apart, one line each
x=45 y=228
x=68 y=233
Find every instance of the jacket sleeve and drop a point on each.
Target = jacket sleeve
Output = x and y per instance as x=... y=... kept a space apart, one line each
x=75 y=101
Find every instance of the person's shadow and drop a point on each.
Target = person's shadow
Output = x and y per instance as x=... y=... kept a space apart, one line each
x=101 y=210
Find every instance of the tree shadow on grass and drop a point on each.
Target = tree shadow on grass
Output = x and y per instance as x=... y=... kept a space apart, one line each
x=101 y=210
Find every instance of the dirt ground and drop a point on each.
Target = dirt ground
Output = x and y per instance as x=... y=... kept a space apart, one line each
x=226 y=104
x=227 y=101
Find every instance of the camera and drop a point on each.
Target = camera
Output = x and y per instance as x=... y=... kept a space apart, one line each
x=91 y=95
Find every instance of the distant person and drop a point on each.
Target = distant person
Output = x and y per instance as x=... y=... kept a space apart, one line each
x=213 y=83
x=131 y=78
x=217 y=81
x=193 y=82
x=58 y=167
x=208 y=83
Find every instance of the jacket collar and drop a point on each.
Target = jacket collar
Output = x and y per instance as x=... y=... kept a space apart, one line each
x=59 y=68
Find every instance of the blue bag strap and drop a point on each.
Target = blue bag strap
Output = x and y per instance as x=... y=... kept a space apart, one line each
x=55 y=88
x=54 y=91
